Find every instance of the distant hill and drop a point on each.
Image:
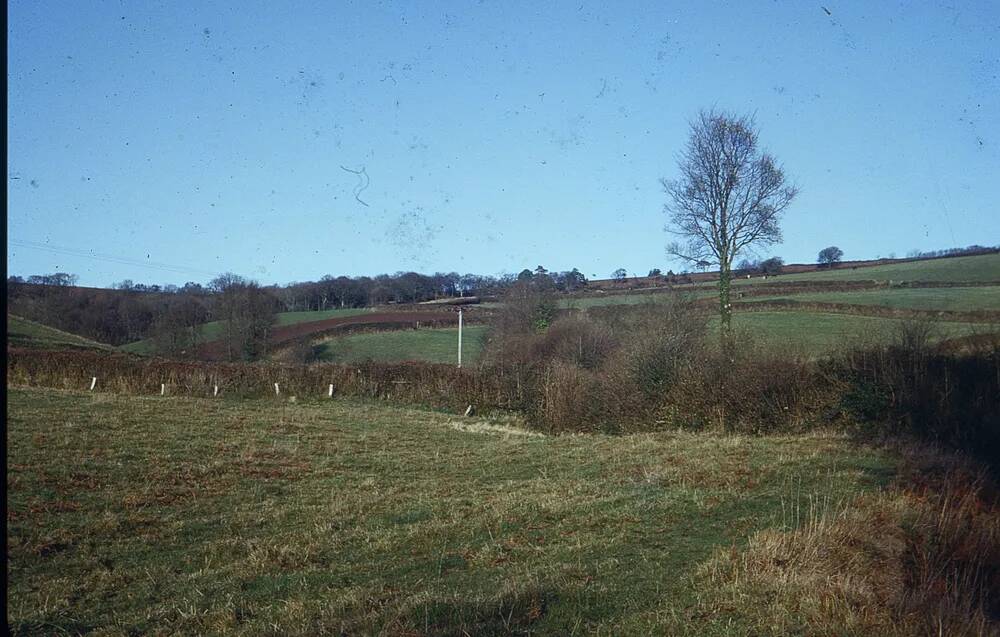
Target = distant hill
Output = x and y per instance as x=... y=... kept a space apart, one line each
x=958 y=269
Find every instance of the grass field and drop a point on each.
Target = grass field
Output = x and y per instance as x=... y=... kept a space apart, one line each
x=24 y=333
x=955 y=299
x=819 y=333
x=213 y=330
x=431 y=345
x=171 y=515
x=585 y=302
x=814 y=333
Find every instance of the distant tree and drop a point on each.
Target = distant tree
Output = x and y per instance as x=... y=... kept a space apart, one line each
x=729 y=197
x=247 y=312
x=747 y=266
x=572 y=280
x=59 y=279
x=619 y=274
x=829 y=257
x=655 y=272
x=771 y=266
x=525 y=275
x=175 y=330
x=528 y=306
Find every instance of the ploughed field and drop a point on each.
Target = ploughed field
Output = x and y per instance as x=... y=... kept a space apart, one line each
x=156 y=515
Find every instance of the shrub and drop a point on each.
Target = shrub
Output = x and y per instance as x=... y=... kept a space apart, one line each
x=908 y=388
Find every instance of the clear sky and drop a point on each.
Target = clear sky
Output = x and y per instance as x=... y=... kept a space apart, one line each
x=495 y=136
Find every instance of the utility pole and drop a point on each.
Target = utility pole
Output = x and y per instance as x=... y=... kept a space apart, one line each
x=460 y=337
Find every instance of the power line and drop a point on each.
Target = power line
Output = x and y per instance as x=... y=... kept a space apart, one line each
x=90 y=254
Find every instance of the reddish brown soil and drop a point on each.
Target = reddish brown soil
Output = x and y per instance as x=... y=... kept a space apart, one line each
x=284 y=334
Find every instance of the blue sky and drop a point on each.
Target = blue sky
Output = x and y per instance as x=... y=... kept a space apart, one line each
x=177 y=140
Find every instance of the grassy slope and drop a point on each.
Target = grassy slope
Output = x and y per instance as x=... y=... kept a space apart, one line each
x=980 y=268
x=212 y=330
x=432 y=345
x=191 y=515
x=24 y=333
x=956 y=299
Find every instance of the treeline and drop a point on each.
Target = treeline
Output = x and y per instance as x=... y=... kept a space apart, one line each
x=969 y=251
x=171 y=314
x=410 y=287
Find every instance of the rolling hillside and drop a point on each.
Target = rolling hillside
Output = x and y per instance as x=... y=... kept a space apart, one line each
x=24 y=333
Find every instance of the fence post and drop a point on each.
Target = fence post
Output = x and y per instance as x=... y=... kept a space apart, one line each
x=93 y=383
x=216 y=392
x=163 y=389
x=277 y=392
x=329 y=394
x=459 y=337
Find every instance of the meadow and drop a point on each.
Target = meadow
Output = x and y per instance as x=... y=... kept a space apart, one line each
x=147 y=514
x=819 y=333
x=958 y=299
x=432 y=345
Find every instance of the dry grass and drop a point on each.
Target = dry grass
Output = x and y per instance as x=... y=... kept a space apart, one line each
x=921 y=558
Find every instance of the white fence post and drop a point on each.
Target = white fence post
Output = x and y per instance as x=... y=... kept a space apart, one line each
x=329 y=394
x=459 y=337
x=93 y=383
x=216 y=392
x=277 y=392
x=163 y=389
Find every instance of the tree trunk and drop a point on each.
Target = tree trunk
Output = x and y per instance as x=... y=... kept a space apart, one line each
x=725 y=308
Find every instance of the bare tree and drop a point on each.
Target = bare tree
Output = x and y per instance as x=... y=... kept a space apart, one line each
x=729 y=197
x=247 y=312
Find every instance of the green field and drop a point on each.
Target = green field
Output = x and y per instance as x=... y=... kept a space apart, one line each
x=954 y=299
x=431 y=345
x=817 y=333
x=173 y=515
x=24 y=333
x=813 y=333
x=213 y=329
x=585 y=302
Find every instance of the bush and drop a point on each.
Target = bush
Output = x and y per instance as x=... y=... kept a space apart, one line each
x=908 y=388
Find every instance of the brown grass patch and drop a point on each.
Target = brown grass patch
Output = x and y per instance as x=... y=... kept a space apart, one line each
x=915 y=559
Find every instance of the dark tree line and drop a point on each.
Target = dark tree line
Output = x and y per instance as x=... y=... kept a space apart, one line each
x=770 y=266
x=172 y=316
x=115 y=316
